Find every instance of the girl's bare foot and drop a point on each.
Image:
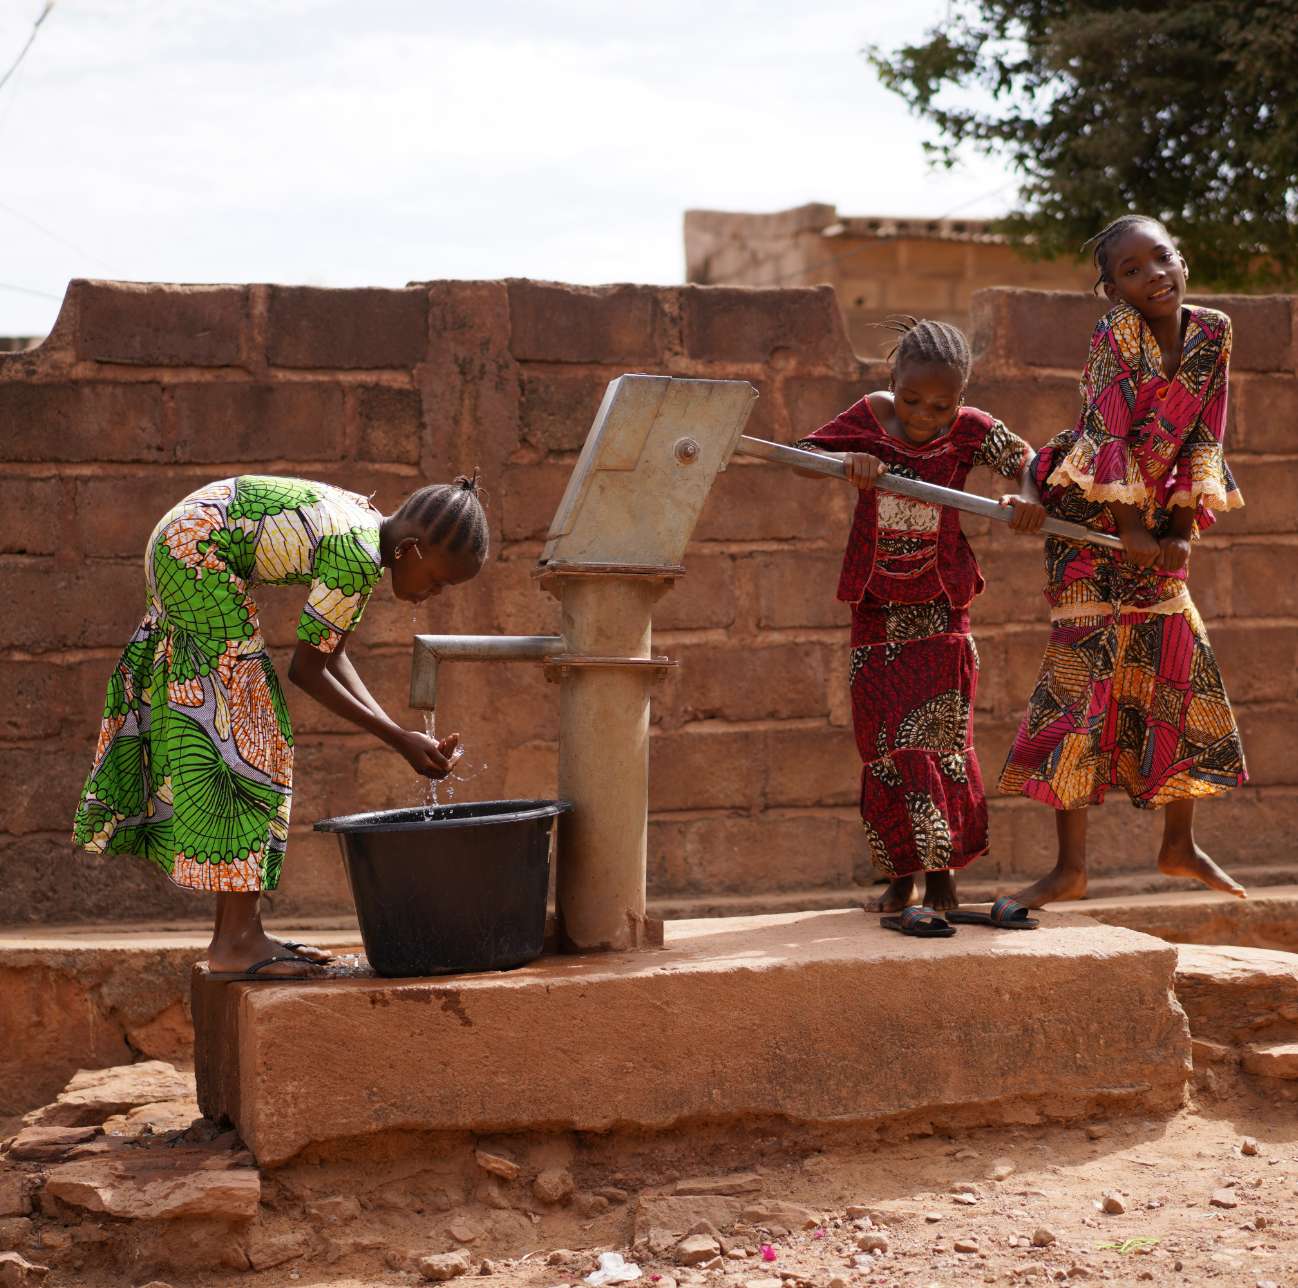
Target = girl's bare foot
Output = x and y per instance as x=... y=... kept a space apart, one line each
x=239 y=941
x=1190 y=861
x=239 y=954
x=898 y=894
x=939 y=891
x=1060 y=884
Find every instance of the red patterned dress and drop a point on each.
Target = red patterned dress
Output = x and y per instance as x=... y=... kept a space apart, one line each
x=1130 y=694
x=910 y=576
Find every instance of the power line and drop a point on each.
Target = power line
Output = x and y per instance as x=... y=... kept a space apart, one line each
x=49 y=232
x=31 y=40
x=27 y=290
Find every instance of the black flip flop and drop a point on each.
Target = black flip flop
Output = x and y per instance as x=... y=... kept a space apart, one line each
x=253 y=975
x=297 y=948
x=921 y=922
x=1005 y=915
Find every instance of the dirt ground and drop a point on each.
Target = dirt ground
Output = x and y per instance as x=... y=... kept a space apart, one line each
x=1197 y=1206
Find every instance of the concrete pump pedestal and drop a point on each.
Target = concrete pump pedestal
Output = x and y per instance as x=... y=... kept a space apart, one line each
x=805 y=1018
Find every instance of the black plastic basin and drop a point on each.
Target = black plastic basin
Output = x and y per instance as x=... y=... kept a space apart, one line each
x=450 y=888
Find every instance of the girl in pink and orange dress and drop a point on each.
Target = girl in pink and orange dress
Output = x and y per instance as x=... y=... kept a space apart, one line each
x=1130 y=695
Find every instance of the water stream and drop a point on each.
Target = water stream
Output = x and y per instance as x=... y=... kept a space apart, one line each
x=462 y=770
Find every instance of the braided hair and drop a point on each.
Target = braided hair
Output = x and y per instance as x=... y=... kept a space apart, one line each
x=924 y=340
x=450 y=515
x=1102 y=243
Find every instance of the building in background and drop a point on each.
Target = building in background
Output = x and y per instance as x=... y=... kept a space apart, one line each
x=877 y=266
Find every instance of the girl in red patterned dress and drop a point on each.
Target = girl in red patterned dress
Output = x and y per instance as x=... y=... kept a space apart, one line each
x=910 y=577
x=1130 y=695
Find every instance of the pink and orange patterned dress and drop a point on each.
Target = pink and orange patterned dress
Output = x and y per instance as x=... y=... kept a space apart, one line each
x=1130 y=694
x=194 y=767
x=910 y=576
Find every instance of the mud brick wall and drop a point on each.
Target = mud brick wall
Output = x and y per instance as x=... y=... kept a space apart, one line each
x=878 y=267
x=141 y=393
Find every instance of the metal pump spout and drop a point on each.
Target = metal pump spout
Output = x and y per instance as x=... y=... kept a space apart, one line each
x=433 y=649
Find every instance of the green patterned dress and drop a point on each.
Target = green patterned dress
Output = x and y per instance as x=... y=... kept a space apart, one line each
x=194 y=767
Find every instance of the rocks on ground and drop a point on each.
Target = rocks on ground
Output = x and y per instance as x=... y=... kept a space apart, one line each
x=441 y=1266
x=17 y=1272
x=96 y=1095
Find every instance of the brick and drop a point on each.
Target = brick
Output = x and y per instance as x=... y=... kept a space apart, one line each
x=97 y=602
x=760 y=502
x=667 y=856
x=32 y=515
x=314 y=881
x=814 y=401
x=704 y=597
x=510 y=601
x=389 y=425
x=1034 y=328
x=43 y=782
x=1262 y=327
x=149 y=325
x=1270 y=492
x=1259 y=662
x=1035 y=408
x=749 y=324
x=1257 y=571
x=558 y=407
x=1268 y=736
x=933 y=258
x=326 y=778
x=47 y=882
x=818 y=767
x=1267 y=411
x=531 y=772
x=1211 y=579
x=705 y=768
x=777 y=682
x=347 y=330
x=527 y=498
x=1016 y=579
x=109 y=519
x=797 y=589
x=928 y=297
x=554 y=322
x=248 y=423
x=86 y=421
x=44 y=698
x=749 y=854
x=993 y=739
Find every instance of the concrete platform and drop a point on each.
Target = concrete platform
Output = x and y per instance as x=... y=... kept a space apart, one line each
x=807 y=1018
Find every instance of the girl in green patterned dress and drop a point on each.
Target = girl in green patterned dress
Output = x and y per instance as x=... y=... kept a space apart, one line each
x=194 y=767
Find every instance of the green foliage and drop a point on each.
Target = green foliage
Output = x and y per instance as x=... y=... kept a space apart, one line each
x=1187 y=112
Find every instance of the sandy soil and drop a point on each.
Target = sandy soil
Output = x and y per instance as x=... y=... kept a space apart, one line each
x=935 y=1206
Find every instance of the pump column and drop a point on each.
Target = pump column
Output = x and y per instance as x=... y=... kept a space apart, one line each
x=605 y=676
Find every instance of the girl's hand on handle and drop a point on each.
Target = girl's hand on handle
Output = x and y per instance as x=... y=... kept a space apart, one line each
x=1174 y=553
x=1029 y=514
x=1141 y=547
x=863 y=470
x=430 y=757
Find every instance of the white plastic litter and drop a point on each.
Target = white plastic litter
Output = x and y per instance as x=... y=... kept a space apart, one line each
x=613 y=1269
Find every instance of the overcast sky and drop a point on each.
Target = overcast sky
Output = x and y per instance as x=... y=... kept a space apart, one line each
x=371 y=142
